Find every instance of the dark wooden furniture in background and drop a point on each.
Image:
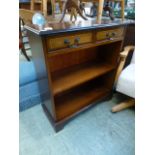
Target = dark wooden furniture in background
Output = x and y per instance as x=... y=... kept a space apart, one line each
x=129 y=38
x=79 y=62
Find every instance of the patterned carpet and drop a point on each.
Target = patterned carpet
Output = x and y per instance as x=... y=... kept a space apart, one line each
x=97 y=131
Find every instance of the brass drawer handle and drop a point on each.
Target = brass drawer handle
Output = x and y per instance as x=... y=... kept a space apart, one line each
x=67 y=42
x=107 y=35
x=77 y=40
x=110 y=36
x=113 y=34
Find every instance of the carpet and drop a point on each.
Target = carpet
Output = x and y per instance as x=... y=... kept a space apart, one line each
x=96 y=131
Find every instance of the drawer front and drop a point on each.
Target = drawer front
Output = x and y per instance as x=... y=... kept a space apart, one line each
x=54 y=43
x=109 y=34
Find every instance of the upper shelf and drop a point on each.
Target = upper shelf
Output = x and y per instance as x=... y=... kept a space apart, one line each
x=68 y=79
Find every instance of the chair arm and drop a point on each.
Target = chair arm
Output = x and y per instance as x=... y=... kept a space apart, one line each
x=124 y=54
x=123 y=57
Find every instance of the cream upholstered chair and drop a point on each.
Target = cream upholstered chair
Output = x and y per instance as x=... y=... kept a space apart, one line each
x=125 y=79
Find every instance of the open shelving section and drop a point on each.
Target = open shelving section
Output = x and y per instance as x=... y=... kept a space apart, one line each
x=81 y=77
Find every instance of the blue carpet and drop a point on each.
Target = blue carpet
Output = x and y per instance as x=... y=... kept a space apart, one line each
x=97 y=131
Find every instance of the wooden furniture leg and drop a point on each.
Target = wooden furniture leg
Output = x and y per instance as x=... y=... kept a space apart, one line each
x=122 y=9
x=32 y=5
x=53 y=7
x=44 y=7
x=60 y=5
x=100 y=10
x=124 y=105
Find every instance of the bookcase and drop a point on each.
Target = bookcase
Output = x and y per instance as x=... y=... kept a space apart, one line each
x=80 y=67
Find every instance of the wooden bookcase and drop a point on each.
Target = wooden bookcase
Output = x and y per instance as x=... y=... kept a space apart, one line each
x=80 y=68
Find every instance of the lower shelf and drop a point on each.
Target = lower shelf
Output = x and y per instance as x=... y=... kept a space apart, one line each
x=73 y=102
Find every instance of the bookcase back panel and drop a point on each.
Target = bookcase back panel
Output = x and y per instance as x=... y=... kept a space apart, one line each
x=66 y=60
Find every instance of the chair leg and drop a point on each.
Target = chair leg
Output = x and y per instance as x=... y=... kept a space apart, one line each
x=25 y=54
x=123 y=105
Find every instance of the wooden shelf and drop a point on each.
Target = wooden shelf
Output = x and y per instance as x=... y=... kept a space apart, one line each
x=65 y=80
x=71 y=103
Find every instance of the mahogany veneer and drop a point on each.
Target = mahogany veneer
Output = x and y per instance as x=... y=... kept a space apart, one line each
x=79 y=64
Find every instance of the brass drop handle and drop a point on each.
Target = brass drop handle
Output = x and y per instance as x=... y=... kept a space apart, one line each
x=67 y=42
x=107 y=35
x=77 y=40
x=113 y=34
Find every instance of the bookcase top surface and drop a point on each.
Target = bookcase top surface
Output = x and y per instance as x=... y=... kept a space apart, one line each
x=55 y=27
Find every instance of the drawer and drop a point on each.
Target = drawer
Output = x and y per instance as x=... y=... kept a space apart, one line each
x=110 y=34
x=59 y=42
